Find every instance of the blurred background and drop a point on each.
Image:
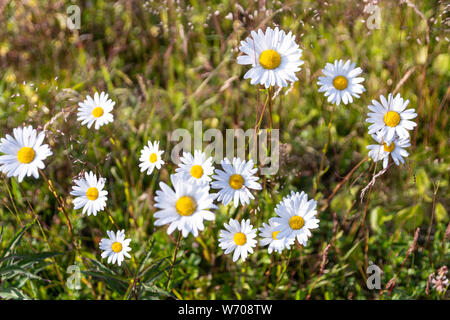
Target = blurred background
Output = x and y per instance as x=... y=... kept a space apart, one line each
x=169 y=63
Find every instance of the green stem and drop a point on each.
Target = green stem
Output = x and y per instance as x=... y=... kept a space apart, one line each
x=173 y=260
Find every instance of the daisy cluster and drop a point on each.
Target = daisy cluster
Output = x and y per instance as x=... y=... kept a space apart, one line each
x=189 y=202
x=274 y=57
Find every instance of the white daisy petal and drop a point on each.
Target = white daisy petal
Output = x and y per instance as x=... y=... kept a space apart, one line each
x=238 y=237
x=96 y=111
x=296 y=215
x=115 y=247
x=89 y=194
x=185 y=207
x=151 y=157
x=24 y=153
x=390 y=119
x=340 y=82
x=235 y=181
x=274 y=56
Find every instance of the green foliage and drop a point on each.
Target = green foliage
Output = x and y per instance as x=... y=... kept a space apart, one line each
x=167 y=65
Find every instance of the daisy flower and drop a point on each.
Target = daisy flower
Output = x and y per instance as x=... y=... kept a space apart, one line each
x=96 y=110
x=296 y=216
x=341 y=82
x=89 y=194
x=274 y=56
x=195 y=168
x=116 y=247
x=185 y=207
x=382 y=150
x=151 y=157
x=24 y=153
x=238 y=237
x=235 y=181
x=390 y=117
x=269 y=234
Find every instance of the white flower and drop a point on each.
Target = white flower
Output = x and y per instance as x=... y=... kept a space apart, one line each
x=89 y=194
x=269 y=233
x=238 y=237
x=116 y=247
x=296 y=216
x=185 y=207
x=341 y=82
x=274 y=56
x=96 y=110
x=235 y=181
x=24 y=153
x=195 y=168
x=382 y=150
x=390 y=117
x=151 y=157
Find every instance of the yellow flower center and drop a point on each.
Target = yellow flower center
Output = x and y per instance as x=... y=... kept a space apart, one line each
x=389 y=148
x=236 y=181
x=340 y=82
x=153 y=158
x=185 y=206
x=26 y=155
x=92 y=193
x=269 y=59
x=296 y=222
x=239 y=238
x=116 y=247
x=197 y=171
x=274 y=235
x=97 y=112
x=391 y=118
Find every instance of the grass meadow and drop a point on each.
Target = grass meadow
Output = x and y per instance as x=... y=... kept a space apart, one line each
x=169 y=63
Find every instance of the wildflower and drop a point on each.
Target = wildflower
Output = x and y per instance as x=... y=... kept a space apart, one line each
x=274 y=56
x=296 y=217
x=390 y=117
x=195 y=168
x=238 y=237
x=24 y=153
x=97 y=110
x=270 y=236
x=151 y=157
x=440 y=281
x=395 y=149
x=235 y=181
x=341 y=82
x=185 y=207
x=116 y=247
x=89 y=194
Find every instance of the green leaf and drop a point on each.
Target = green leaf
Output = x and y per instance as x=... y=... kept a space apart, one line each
x=349 y=252
x=147 y=256
x=12 y=271
x=13 y=293
x=105 y=276
x=376 y=219
x=31 y=257
x=14 y=241
x=441 y=213
x=410 y=218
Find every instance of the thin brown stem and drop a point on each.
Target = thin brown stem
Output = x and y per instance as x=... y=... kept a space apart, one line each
x=324 y=151
x=174 y=259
